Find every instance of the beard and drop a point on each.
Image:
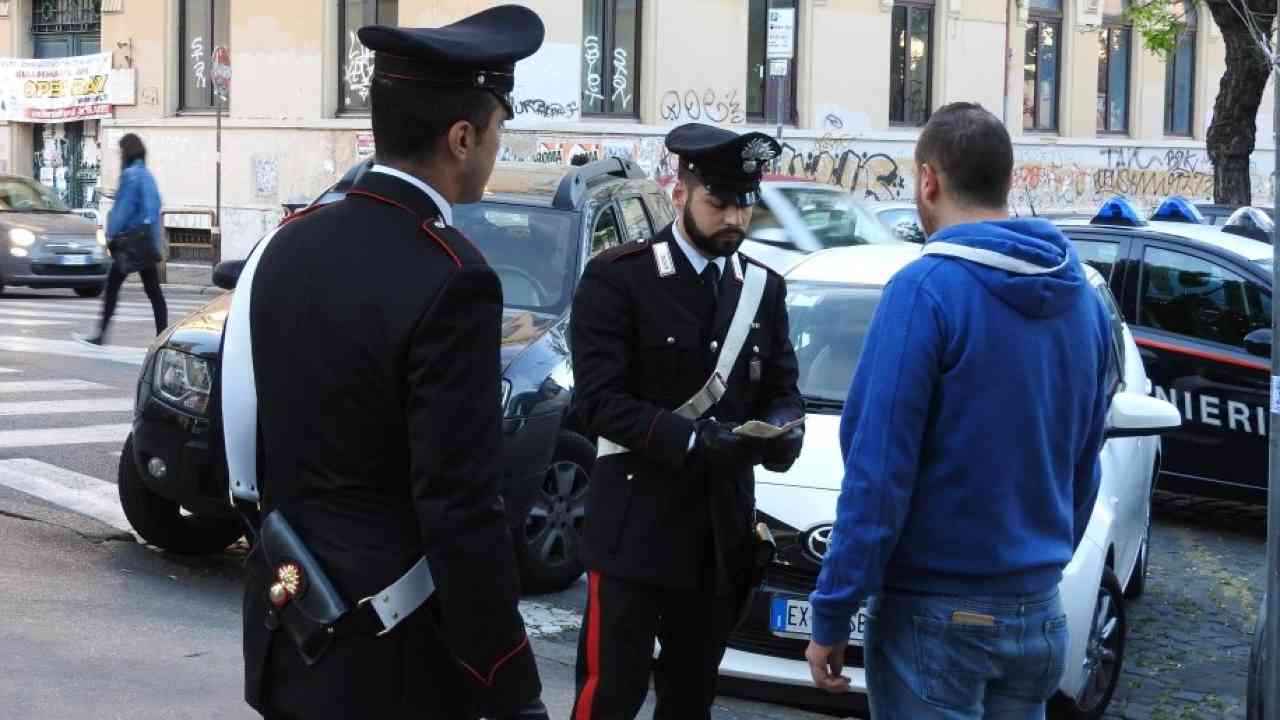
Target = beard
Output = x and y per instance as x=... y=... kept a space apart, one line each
x=720 y=244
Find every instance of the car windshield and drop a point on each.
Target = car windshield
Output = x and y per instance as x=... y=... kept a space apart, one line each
x=533 y=250
x=828 y=324
x=23 y=195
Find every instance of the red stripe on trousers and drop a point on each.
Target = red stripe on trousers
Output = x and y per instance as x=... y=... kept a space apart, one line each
x=588 y=696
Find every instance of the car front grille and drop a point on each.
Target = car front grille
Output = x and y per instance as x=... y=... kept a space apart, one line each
x=45 y=269
x=754 y=636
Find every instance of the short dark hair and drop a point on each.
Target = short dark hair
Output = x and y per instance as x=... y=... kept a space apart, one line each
x=409 y=120
x=971 y=147
x=131 y=148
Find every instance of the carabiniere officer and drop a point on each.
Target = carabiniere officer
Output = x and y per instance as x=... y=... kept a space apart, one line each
x=662 y=378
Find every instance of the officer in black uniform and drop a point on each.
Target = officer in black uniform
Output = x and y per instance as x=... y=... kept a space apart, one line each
x=375 y=346
x=668 y=539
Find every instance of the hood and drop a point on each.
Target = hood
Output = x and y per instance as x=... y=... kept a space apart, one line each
x=49 y=223
x=820 y=465
x=1028 y=263
x=519 y=329
x=200 y=333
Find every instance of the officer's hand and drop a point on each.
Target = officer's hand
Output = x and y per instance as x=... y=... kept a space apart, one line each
x=533 y=711
x=781 y=452
x=718 y=445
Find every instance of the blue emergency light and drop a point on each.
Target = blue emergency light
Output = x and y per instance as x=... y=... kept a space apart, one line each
x=1178 y=209
x=1118 y=211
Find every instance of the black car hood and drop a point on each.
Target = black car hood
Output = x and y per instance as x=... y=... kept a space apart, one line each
x=201 y=331
x=520 y=328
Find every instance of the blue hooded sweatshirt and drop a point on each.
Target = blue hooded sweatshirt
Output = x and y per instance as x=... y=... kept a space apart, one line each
x=972 y=427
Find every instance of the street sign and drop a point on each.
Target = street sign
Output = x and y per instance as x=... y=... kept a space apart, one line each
x=221 y=72
x=778 y=68
x=782 y=33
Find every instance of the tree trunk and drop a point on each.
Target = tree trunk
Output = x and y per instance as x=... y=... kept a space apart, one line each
x=1231 y=136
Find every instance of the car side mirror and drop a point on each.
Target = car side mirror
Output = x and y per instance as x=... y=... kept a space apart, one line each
x=1258 y=342
x=1134 y=415
x=227 y=273
x=774 y=236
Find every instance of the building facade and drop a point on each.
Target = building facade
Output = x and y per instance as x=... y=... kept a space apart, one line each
x=848 y=83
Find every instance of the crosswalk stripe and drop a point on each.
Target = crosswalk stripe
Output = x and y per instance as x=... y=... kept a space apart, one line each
x=66 y=407
x=65 y=315
x=6 y=371
x=71 y=348
x=29 y=322
x=86 y=495
x=68 y=311
x=48 y=437
x=50 y=386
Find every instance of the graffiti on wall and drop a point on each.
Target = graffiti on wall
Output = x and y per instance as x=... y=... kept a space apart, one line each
x=1044 y=178
x=702 y=106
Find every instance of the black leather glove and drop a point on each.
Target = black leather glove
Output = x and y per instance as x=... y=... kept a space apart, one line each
x=781 y=452
x=533 y=711
x=716 y=444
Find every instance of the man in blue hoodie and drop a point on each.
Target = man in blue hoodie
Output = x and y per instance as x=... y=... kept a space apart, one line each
x=971 y=438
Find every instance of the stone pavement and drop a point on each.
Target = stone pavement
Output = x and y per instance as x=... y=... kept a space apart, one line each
x=1187 y=653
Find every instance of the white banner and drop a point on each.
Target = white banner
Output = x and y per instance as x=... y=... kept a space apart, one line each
x=55 y=90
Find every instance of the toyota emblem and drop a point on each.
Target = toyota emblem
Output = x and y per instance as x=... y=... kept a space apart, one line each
x=817 y=541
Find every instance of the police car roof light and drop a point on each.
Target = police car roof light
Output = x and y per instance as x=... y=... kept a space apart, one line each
x=1178 y=209
x=1118 y=211
x=574 y=185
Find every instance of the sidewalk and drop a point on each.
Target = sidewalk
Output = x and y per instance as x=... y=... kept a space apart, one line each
x=187 y=277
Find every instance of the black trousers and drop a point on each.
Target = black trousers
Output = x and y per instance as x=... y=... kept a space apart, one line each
x=150 y=283
x=615 y=650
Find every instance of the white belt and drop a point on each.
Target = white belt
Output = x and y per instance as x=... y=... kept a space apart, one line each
x=402 y=597
x=711 y=391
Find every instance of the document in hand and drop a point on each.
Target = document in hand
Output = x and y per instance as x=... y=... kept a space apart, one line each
x=763 y=430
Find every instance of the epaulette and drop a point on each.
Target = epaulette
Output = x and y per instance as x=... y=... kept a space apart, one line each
x=621 y=251
x=434 y=227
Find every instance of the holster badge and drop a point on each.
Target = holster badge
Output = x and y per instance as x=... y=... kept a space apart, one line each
x=288 y=584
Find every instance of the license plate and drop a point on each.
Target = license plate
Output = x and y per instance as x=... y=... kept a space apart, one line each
x=790 y=617
x=74 y=259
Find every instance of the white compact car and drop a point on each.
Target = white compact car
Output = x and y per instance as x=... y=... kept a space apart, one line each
x=831 y=299
x=798 y=217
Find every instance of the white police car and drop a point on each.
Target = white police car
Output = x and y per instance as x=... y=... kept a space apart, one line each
x=1198 y=301
x=831 y=299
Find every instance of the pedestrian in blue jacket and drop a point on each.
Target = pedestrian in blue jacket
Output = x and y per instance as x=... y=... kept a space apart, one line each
x=971 y=437
x=137 y=206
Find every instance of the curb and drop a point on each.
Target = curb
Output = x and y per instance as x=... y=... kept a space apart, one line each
x=179 y=287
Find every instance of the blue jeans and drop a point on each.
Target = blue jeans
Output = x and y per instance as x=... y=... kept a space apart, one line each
x=939 y=657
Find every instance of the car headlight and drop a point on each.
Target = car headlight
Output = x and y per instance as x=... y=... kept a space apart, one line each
x=183 y=380
x=102 y=237
x=22 y=237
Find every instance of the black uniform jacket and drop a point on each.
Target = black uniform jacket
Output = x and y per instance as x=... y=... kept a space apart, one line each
x=641 y=347
x=375 y=349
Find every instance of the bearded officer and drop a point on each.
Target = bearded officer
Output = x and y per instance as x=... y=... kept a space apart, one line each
x=362 y=345
x=662 y=378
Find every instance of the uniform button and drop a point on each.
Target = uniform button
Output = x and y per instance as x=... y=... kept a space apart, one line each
x=715 y=346
x=756 y=348
x=671 y=341
x=630 y=477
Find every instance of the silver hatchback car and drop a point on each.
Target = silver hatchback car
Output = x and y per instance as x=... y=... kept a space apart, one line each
x=43 y=244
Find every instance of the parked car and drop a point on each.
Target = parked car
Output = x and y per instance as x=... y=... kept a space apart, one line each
x=537 y=229
x=1198 y=301
x=44 y=244
x=831 y=299
x=797 y=217
x=902 y=219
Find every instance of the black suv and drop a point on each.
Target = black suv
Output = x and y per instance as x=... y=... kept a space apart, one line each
x=538 y=227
